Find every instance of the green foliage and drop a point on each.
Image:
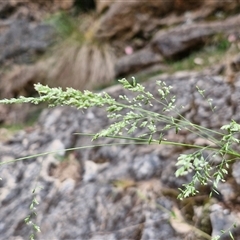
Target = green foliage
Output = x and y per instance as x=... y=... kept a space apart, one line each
x=80 y=30
x=29 y=220
x=127 y=114
x=63 y=23
x=220 y=42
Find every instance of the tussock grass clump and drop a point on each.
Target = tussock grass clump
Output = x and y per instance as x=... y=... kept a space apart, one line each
x=85 y=66
x=79 y=60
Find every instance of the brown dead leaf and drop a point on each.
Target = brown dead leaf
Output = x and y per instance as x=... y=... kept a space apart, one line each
x=178 y=222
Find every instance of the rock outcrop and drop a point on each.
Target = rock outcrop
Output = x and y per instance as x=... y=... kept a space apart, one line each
x=23 y=42
x=137 y=61
x=183 y=39
x=119 y=22
x=126 y=20
x=31 y=9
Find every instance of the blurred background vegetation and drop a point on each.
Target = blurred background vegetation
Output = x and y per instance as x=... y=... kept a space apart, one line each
x=90 y=44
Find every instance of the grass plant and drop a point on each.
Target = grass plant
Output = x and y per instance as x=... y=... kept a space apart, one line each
x=130 y=113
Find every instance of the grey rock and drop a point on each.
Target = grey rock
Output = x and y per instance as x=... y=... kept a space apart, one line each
x=236 y=172
x=112 y=24
x=223 y=219
x=146 y=167
x=235 y=64
x=23 y=41
x=227 y=191
x=179 y=40
x=137 y=61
